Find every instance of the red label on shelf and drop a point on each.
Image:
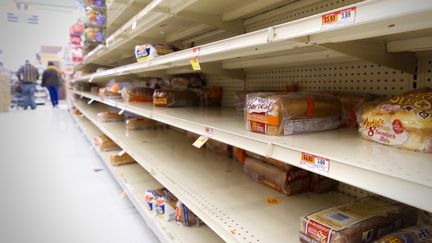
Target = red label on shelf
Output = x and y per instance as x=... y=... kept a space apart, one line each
x=338 y=18
x=315 y=163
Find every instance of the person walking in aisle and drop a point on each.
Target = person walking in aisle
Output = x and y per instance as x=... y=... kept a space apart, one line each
x=28 y=75
x=51 y=80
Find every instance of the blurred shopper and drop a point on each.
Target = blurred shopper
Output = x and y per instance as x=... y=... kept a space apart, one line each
x=28 y=75
x=51 y=80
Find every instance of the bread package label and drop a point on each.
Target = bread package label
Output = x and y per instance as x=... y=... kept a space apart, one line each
x=145 y=52
x=259 y=114
x=160 y=101
x=415 y=234
x=403 y=121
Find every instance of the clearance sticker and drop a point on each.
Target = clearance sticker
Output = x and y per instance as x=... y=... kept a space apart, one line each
x=338 y=18
x=315 y=163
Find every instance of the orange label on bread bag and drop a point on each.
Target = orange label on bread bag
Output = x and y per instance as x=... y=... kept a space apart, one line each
x=160 y=101
x=311 y=105
x=263 y=118
x=318 y=231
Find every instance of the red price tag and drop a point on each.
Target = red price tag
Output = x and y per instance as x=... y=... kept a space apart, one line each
x=315 y=163
x=339 y=18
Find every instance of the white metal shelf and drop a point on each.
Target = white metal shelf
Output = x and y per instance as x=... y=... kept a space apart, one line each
x=370 y=166
x=135 y=180
x=215 y=187
x=374 y=18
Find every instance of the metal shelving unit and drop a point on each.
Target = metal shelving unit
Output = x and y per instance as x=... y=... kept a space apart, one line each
x=134 y=181
x=213 y=186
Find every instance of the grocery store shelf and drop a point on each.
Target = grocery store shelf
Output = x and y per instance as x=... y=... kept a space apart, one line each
x=372 y=19
x=120 y=11
x=370 y=166
x=213 y=186
x=134 y=180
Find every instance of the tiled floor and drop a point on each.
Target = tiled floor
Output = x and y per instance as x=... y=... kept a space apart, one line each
x=52 y=189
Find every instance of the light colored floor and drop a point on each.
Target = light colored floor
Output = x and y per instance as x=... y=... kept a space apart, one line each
x=51 y=187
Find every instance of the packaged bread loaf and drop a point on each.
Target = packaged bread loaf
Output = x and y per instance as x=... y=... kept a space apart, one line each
x=361 y=221
x=404 y=121
x=140 y=123
x=321 y=184
x=94 y=90
x=186 y=217
x=239 y=155
x=75 y=111
x=137 y=94
x=191 y=80
x=271 y=161
x=219 y=147
x=210 y=96
x=123 y=159
x=151 y=196
x=166 y=205
x=150 y=51
x=104 y=93
x=414 y=234
x=175 y=98
x=105 y=143
x=350 y=103
x=109 y=116
x=292 y=113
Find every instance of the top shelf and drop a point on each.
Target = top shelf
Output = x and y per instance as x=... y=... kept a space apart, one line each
x=367 y=165
x=373 y=19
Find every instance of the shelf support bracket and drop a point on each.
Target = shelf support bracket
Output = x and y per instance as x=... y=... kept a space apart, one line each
x=376 y=52
x=269 y=150
x=235 y=26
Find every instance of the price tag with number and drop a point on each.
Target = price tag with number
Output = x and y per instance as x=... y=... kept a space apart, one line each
x=338 y=18
x=315 y=163
x=200 y=141
x=194 y=60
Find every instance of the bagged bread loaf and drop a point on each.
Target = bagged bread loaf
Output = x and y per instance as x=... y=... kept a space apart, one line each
x=186 y=217
x=166 y=205
x=361 y=221
x=151 y=196
x=116 y=159
x=150 y=51
x=184 y=81
x=137 y=94
x=210 y=96
x=140 y=123
x=292 y=113
x=75 y=111
x=104 y=93
x=414 y=234
x=404 y=121
x=219 y=147
x=271 y=161
x=94 y=90
x=321 y=184
x=239 y=155
x=105 y=143
x=175 y=98
x=109 y=116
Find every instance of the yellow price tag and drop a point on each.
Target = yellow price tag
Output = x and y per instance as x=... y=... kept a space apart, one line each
x=195 y=64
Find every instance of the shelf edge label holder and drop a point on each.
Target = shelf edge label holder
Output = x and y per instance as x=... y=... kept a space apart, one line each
x=315 y=163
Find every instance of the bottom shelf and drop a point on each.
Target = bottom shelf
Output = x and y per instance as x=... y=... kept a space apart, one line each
x=134 y=181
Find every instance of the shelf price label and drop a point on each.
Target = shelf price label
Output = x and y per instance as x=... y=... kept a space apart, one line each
x=200 y=141
x=315 y=163
x=338 y=18
x=194 y=59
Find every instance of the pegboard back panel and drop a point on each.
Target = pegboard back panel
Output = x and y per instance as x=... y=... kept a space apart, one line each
x=357 y=76
x=229 y=86
x=425 y=70
x=287 y=14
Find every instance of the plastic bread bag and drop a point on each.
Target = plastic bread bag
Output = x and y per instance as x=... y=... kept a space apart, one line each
x=104 y=93
x=151 y=197
x=184 y=81
x=186 y=217
x=403 y=121
x=266 y=174
x=109 y=116
x=321 y=184
x=95 y=17
x=274 y=162
x=149 y=51
x=166 y=204
x=137 y=94
x=360 y=221
x=414 y=234
x=140 y=123
x=116 y=159
x=105 y=143
x=219 y=147
x=350 y=103
x=291 y=113
x=175 y=98
x=210 y=96
x=239 y=155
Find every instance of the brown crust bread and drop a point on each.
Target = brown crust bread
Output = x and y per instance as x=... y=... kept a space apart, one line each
x=105 y=143
x=116 y=160
x=109 y=116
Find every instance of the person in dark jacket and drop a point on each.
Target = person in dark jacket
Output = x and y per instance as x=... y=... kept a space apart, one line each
x=28 y=75
x=51 y=80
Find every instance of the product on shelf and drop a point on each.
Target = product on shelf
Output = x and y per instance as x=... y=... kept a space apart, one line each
x=166 y=205
x=137 y=94
x=96 y=17
x=350 y=103
x=219 y=147
x=360 y=221
x=404 y=121
x=105 y=143
x=109 y=116
x=175 y=98
x=271 y=161
x=210 y=96
x=414 y=234
x=94 y=90
x=184 y=81
x=82 y=86
x=239 y=155
x=186 y=217
x=150 y=51
x=123 y=159
x=95 y=3
x=75 y=111
x=292 y=113
x=151 y=197
x=321 y=184
x=140 y=123
x=106 y=94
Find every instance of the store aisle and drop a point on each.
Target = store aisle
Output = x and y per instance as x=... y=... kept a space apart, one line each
x=55 y=189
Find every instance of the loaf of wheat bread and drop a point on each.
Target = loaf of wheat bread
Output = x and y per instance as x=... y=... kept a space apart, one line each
x=137 y=94
x=361 y=221
x=185 y=216
x=403 y=121
x=109 y=116
x=140 y=123
x=175 y=98
x=116 y=159
x=291 y=113
x=414 y=234
x=105 y=143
